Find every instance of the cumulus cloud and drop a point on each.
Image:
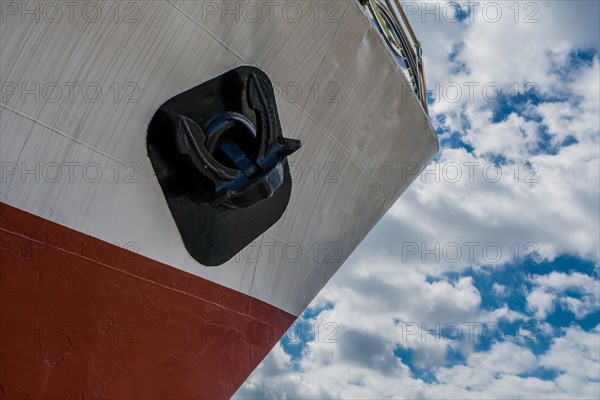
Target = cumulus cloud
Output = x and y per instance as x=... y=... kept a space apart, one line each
x=506 y=370
x=551 y=289
x=576 y=355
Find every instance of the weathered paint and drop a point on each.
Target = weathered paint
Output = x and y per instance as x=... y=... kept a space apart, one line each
x=82 y=318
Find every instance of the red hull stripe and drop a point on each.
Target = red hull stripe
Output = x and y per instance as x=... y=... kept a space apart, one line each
x=82 y=318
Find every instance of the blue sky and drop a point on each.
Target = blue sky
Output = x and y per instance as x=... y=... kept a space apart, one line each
x=484 y=284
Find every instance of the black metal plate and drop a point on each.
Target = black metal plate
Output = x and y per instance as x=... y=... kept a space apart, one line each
x=211 y=234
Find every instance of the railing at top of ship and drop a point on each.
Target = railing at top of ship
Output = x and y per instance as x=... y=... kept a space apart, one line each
x=393 y=26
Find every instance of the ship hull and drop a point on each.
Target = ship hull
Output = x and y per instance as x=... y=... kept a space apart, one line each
x=85 y=318
x=78 y=94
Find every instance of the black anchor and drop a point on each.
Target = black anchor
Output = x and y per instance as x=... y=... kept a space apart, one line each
x=221 y=160
x=255 y=157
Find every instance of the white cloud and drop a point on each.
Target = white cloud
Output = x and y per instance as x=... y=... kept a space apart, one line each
x=577 y=356
x=541 y=302
x=504 y=371
x=550 y=289
x=499 y=290
x=552 y=211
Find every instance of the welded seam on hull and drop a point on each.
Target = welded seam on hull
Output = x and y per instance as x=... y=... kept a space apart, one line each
x=207 y=31
x=66 y=136
x=254 y=272
x=183 y=292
